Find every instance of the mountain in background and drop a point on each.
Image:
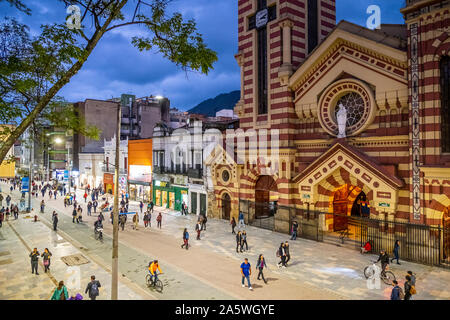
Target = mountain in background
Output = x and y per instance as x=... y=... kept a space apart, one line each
x=222 y=101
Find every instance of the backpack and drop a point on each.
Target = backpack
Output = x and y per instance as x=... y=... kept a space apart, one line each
x=186 y=236
x=401 y=294
x=94 y=289
x=412 y=290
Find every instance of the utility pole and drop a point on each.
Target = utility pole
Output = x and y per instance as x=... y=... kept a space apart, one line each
x=115 y=251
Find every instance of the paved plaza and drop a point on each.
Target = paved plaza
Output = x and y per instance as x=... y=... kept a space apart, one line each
x=208 y=270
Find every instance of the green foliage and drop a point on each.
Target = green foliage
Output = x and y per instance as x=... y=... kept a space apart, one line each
x=34 y=68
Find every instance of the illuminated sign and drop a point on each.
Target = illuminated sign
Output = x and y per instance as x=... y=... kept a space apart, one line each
x=140 y=173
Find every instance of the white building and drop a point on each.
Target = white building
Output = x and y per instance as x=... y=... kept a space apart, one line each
x=109 y=162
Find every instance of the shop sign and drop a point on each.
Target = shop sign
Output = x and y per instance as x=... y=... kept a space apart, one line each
x=306 y=196
x=384 y=204
x=163 y=184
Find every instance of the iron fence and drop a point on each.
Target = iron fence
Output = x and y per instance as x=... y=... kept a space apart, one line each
x=419 y=243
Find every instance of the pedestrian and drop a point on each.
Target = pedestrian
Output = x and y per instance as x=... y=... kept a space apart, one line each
x=294 y=230
x=141 y=206
x=85 y=196
x=151 y=206
x=183 y=209
x=397 y=292
x=55 y=221
x=74 y=215
x=123 y=220
x=16 y=212
x=198 y=228
x=241 y=220
x=233 y=225
x=260 y=265
x=54 y=194
x=384 y=258
x=408 y=288
x=101 y=217
x=89 y=208
x=8 y=200
x=145 y=219
x=412 y=276
x=185 y=239
x=159 y=220
x=395 y=251
x=34 y=255
x=42 y=206
x=246 y=272
x=238 y=242
x=286 y=251
x=1 y=199
x=95 y=204
x=204 y=220
x=1 y=218
x=93 y=288
x=135 y=221
x=46 y=255
x=282 y=255
x=244 y=240
x=60 y=292
x=79 y=217
x=50 y=193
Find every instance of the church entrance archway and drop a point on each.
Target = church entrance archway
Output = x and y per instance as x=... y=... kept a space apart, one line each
x=226 y=206
x=266 y=197
x=348 y=202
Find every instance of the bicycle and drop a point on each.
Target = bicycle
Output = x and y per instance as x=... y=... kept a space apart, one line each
x=387 y=278
x=158 y=285
x=98 y=233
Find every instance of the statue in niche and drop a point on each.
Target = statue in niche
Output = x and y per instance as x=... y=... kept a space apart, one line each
x=341 y=117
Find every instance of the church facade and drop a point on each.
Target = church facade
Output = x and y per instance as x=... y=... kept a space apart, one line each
x=338 y=117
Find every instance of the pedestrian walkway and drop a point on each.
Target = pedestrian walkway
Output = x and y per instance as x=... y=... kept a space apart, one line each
x=17 y=281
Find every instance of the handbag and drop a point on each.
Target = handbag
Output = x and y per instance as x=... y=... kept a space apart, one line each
x=46 y=262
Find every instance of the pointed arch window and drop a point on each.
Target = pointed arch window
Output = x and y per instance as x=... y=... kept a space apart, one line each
x=445 y=104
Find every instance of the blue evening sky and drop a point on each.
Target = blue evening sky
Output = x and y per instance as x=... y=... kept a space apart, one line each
x=117 y=67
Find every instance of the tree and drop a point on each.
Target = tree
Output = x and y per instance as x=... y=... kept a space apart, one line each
x=34 y=69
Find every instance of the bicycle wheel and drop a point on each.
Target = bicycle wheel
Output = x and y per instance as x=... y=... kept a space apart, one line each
x=369 y=272
x=159 y=286
x=148 y=280
x=388 y=278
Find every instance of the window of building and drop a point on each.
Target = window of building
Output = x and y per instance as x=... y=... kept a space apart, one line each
x=313 y=25
x=445 y=104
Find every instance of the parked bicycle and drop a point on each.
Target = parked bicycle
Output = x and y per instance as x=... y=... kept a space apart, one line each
x=158 y=285
x=386 y=276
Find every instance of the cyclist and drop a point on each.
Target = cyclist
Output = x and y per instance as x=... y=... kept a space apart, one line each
x=384 y=258
x=98 y=225
x=152 y=268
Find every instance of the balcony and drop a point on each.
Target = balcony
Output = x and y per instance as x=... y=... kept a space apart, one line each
x=195 y=173
x=111 y=170
x=178 y=169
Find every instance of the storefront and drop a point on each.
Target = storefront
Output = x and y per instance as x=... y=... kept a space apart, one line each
x=140 y=169
x=169 y=196
x=139 y=191
x=108 y=182
x=197 y=199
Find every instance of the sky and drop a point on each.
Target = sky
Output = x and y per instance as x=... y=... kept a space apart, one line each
x=116 y=67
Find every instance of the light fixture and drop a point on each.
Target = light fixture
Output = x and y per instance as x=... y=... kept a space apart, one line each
x=58 y=140
x=159 y=97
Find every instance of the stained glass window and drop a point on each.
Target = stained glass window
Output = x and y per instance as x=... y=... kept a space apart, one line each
x=354 y=104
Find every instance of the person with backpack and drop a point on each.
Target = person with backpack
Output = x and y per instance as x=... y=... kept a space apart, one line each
x=46 y=255
x=397 y=292
x=408 y=286
x=233 y=225
x=159 y=220
x=60 y=292
x=238 y=241
x=93 y=288
x=260 y=265
x=282 y=255
x=413 y=283
x=185 y=239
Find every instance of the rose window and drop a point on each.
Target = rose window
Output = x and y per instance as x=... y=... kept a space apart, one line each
x=355 y=106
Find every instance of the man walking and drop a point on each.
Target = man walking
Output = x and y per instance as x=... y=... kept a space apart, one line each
x=185 y=239
x=93 y=288
x=241 y=222
x=159 y=220
x=286 y=251
x=246 y=272
x=55 y=220
x=397 y=292
x=135 y=221
x=123 y=220
x=95 y=204
x=34 y=255
x=294 y=230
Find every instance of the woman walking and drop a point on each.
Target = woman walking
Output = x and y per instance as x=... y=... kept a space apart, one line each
x=60 y=292
x=233 y=225
x=46 y=255
x=282 y=254
x=260 y=265
x=396 y=248
x=244 y=240
x=159 y=220
x=238 y=241
x=42 y=206
x=185 y=239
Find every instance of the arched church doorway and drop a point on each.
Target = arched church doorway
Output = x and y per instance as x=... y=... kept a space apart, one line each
x=266 y=197
x=226 y=206
x=348 y=201
x=446 y=232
